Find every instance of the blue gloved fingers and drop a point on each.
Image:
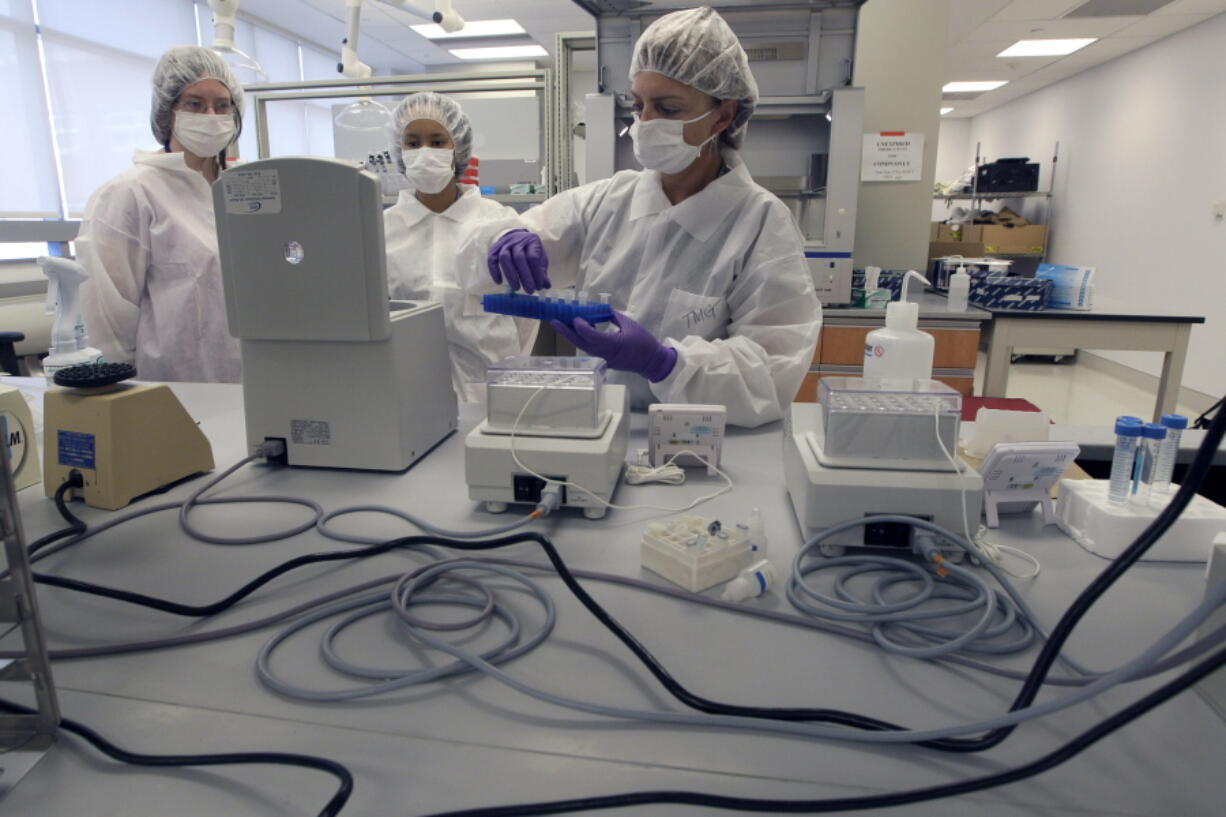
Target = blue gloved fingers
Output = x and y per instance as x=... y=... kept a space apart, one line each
x=522 y=268
x=568 y=333
x=491 y=261
x=506 y=262
x=539 y=261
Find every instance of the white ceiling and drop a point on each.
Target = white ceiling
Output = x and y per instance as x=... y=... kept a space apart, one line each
x=389 y=46
x=978 y=30
x=981 y=29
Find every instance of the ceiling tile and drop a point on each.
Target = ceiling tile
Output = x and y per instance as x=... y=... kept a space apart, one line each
x=1156 y=26
x=980 y=48
x=1193 y=7
x=967 y=15
x=1014 y=30
x=1037 y=9
x=978 y=68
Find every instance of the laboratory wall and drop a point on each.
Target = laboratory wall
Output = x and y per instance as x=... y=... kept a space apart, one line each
x=952 y=147
x=1141 y=165
x=900 y=63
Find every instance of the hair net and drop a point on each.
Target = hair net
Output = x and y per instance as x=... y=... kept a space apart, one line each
x=697 y=48
x=437 y=108
x=180 y=67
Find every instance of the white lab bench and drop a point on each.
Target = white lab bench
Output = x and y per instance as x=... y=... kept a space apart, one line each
x=472 y=742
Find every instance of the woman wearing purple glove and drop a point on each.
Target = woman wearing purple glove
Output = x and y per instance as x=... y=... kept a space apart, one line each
x=713 y=298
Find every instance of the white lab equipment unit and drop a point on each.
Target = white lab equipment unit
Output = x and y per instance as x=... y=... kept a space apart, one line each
x=347 y=378
x=883 y=463
x=1017 y=476
x=693 y=428
x=554 y=418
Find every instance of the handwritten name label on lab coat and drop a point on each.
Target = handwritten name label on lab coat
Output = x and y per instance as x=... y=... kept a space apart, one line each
x=892 y=156
x=252 y=192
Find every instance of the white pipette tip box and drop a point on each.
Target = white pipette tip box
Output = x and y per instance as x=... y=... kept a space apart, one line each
x=1084 y=512
x=695 y=552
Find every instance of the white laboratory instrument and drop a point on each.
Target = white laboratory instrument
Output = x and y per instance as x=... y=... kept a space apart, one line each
x=344 y=377
x=124 y=439
x=559 y=419
x=867 y=450
x=1018 y=476
x=690 y=427
x=69 y=343
x=19 y=437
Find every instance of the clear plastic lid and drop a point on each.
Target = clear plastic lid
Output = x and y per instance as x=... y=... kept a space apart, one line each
x=874 y=395
x=554 y=372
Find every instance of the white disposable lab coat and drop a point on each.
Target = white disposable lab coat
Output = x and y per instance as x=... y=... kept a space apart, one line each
x=422 y=256
x=721 y=277
x=154 y=295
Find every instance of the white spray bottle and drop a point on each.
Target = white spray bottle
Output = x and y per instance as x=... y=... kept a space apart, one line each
x=69 y=343
x=899 y=350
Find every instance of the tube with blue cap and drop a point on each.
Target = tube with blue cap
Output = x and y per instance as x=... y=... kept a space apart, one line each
x=69 y=343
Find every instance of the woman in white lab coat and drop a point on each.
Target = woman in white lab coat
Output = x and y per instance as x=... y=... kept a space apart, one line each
x=705 y=269
x=148 y=238
x=431 y=138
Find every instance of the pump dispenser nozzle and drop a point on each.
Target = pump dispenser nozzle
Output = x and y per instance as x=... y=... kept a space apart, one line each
x=69 y=343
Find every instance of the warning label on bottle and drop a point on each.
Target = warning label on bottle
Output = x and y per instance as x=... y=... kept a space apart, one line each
x=252 y=192
x=310 y=432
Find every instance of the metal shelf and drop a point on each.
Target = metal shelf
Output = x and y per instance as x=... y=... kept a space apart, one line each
x=1033 y=194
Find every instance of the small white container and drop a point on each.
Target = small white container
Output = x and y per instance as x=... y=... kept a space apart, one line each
x=685 y=551
x=959 y=290
x=1085 y=514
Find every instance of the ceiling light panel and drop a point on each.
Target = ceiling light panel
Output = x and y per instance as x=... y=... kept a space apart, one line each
x=1046 y=48
x=472 y=28
x=506 y=52
x=946 y=110
x=970 y=87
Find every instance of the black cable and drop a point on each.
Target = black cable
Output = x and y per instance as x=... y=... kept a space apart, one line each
x=330 y=809
x=873 y=801
x=1203 y=420
x=75 y=525
x=1193 y=479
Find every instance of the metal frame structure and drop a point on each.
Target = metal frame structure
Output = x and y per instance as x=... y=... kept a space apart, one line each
x=24 y=738
x=539 y=79
x=562 y=168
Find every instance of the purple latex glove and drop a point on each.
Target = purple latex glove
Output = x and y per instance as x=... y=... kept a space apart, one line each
x=633 y=349
x=520 y=257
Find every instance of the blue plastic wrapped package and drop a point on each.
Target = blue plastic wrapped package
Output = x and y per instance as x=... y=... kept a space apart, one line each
x=991 y=291
x=1071 y=287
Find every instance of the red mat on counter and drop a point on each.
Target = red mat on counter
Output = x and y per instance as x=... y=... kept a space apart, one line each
x=971 y=405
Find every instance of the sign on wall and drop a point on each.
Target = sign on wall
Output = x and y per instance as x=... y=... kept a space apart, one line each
x=892 y=156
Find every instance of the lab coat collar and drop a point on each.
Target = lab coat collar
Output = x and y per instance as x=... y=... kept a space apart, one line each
x=162 y=159
x=414 y=211
x=703 y=213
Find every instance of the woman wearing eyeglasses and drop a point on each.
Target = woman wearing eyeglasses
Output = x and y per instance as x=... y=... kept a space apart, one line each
x=148 y=237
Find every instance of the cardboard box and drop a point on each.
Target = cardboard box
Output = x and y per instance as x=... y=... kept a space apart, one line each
x=1001 y=239
x=967 y=249
x=940 y=231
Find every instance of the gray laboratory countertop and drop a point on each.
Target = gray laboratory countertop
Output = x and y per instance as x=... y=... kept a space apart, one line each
x=473 y=741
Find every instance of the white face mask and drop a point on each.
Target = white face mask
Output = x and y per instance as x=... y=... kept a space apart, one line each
x=204 y=134
x=429 y=169
x=659 y=144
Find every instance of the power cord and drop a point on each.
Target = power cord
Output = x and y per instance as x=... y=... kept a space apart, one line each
x=875 y=801
x=983 y=546
x=330 y=809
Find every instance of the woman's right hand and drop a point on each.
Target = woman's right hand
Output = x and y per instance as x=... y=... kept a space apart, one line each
x=520 y=259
